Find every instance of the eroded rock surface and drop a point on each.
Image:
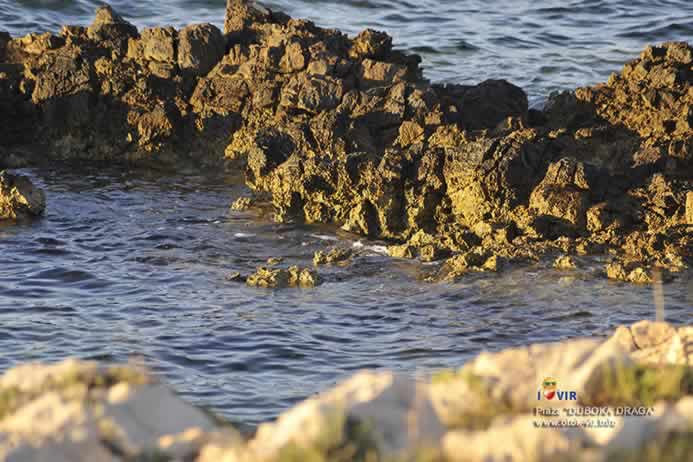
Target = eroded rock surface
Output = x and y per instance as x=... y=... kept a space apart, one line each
x=346 y=131
x=19 y=198
x=279 y=278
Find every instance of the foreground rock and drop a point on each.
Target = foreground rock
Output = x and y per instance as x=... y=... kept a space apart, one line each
x=19 y=198
x=76 y=411
x=83 y=411
x=346 y=131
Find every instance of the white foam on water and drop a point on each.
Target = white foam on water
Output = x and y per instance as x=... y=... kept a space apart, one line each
x=325 y=237
x=379 y=249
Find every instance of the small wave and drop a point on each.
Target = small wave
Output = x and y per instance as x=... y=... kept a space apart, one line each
x=325 y=237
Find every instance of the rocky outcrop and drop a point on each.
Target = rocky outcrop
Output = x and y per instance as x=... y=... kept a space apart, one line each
x=19 y=198
x=485 y=411
x=336 y=255
x=346 y=131
x=278 y=278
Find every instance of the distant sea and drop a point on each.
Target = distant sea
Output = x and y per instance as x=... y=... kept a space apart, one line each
x=540 y=45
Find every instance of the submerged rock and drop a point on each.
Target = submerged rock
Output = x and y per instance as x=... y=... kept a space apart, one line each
x=278 y=278
x=242 y=204
x=334 y=255
x=632 y=271
x=565 y=262
x=19 y=198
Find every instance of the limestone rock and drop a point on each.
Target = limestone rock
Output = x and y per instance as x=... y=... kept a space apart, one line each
x=200 y=48
x=512 y=377
x=65 y=76
x=242 y=13
x=277 y=278
x=564 y=193
x=476 y=259
x=488 y=104
x=242 y=204
x=313 y=94
x=40 y=43
x=371 y=44
x=110 y=30
x=397 y=410
x=294 y=58
x=82 y=411
x=632 y=271
x=656 y=343
x=19 y=198
x=410 y=133
x=159 y=44
x=513 y=441
x=662 y=76
x=347 y=132
x=401 y=251
x=335 y=255
x=378 y=73
x=487 y=175
x=565 y=262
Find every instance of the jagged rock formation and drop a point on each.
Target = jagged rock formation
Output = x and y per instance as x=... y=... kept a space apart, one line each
x=346 y=131
x=278 y=278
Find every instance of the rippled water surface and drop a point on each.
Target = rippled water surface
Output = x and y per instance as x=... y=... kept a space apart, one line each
x=133 y=264
x=541 y=45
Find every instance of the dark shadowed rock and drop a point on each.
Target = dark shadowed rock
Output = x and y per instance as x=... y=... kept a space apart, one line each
x=4 y=40
x=270 y=149
x=488 y=104
x=200 y=47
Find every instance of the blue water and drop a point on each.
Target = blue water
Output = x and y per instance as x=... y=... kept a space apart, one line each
x=134 y=264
